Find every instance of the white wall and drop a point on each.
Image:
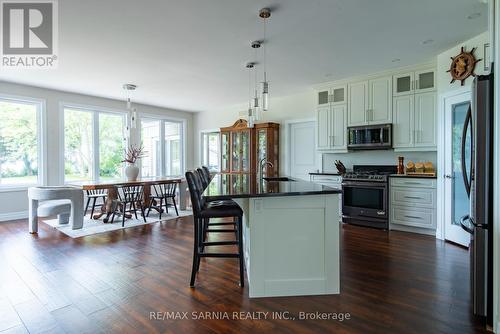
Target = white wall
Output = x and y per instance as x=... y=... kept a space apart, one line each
x=15 y=204
x=444 y=61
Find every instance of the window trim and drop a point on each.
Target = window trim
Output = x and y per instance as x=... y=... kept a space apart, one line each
x=95 y=111
x=202 y=134
x=41 y=118
x=182 y=136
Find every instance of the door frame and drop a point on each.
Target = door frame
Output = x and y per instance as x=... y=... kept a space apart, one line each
x=286 y=153
x=441 y=158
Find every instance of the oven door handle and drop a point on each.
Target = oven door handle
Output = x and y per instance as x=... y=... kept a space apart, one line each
x=380 y=185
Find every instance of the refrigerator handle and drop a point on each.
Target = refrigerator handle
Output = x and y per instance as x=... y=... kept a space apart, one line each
x=468 y=120
x=467 y=227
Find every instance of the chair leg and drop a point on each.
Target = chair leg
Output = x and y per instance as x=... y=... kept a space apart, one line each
x=166 y=204
x=240 y=250
x=87 y=206
x=124 y=209
x=175 y=206
x=150 y=206
x=195 y=253
x=93 y=207
x=142 y=212
x=159 y=208
x=132 y=207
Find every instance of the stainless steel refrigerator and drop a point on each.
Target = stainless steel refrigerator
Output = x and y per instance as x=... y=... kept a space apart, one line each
x=478 y=179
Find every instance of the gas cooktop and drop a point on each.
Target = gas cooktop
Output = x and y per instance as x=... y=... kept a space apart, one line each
x=375 y=173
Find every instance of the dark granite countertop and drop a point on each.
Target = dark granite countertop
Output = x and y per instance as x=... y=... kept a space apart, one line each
x=227 y=186
x=318 y=173
x=413 y=176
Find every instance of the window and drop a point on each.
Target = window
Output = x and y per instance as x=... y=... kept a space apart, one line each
x=93 y=144
x=20 y=142
x=162 y=157
x=210 y=143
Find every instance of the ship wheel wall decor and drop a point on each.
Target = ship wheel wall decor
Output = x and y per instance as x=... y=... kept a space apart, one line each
x=462 y=66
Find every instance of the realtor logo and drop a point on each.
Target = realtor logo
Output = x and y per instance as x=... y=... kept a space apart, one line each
x=29 y=33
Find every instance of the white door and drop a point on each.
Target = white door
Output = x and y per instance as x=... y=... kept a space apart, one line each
x=456 y=199
x=358 y=103
x=380 y=95
x=302 y=152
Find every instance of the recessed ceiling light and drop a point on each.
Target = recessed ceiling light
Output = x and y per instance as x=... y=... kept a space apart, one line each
x=474 y=16
x=328 y=75
x=395 y=60
x=428 y=41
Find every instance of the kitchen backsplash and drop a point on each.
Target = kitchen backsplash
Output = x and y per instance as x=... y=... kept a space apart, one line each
x=377 y=157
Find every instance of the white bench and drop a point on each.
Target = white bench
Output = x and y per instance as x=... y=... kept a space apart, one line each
x=65 y=202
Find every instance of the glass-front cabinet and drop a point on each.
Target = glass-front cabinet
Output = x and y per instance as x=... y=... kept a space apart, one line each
x=414 y=82
x=243 y=147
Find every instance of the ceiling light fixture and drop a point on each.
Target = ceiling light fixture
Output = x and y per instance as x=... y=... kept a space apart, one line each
x=265 y=13
x=428 y=41
x=395 y=60
x=474 y=16
x=132 y=111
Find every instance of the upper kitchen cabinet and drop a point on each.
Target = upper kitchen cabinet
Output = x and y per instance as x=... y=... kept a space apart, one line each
x=370 y=102
x=414 y=82
x=425 y=121
x=333 y=95
x=380 y=100
x=358 y=103
x=332 y=128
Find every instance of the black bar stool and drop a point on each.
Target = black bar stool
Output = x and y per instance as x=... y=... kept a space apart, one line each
x=162 y=192
x=203 y=177
x=203 y=210
x=207 y=172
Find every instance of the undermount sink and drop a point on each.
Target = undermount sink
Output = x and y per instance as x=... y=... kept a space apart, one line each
x=281 y=179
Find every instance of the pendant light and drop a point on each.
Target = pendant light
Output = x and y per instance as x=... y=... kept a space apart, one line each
x=251 y=116
x=131 y=111
x=265 y=13
x=255 y=45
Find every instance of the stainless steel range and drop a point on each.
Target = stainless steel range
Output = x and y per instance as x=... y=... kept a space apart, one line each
x=365 y=196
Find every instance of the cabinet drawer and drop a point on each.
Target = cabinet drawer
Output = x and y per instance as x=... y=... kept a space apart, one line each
x=409 y=216
x=413 y=182
x=420 y=197
x=327 y=179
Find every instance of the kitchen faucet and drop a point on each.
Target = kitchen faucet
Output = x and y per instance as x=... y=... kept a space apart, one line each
x=263 y=163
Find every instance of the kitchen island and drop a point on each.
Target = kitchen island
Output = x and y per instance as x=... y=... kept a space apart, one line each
x=291 y=233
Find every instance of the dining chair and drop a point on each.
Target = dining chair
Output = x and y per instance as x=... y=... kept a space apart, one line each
x=93 y=195
x=162 y=192
x=133 y=196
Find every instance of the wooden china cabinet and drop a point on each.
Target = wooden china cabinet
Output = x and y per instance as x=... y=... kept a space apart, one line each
x=242 y=148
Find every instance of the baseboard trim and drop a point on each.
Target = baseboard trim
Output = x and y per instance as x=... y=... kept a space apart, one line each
x=13 y=215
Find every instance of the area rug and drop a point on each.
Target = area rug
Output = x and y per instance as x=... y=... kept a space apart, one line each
x=91 y=226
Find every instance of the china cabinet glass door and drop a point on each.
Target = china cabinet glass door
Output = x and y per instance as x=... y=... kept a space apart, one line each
x=236 y=151
x=245 y=151
x=225 y=152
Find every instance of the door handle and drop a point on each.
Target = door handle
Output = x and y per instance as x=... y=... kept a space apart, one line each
x=448 y=176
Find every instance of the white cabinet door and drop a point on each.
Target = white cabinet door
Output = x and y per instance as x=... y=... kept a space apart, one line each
x=339 y=127
x=358 y=103
x=323 y=97
x=403 y=84
x=425 y=81
x=339 y=95
x=402 y=125
x=380 y=96
x=425 y=120
x=323 y=127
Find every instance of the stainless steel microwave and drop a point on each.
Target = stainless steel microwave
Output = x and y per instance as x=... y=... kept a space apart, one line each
x=370 y=137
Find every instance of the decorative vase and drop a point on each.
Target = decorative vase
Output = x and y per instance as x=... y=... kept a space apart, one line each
x=132 y=172
x=401 y=165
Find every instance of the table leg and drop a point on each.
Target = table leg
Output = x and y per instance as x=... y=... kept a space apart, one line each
x=182 y=195
x=109 y=207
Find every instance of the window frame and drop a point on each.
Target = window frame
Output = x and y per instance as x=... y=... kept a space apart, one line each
x=182 y=139
x=41 y=115
x=95 y=111
x=204 y=150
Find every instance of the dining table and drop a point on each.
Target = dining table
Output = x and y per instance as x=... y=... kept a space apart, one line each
x=109 y=206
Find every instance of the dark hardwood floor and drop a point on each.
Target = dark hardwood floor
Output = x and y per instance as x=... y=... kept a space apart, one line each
x=391 y=282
